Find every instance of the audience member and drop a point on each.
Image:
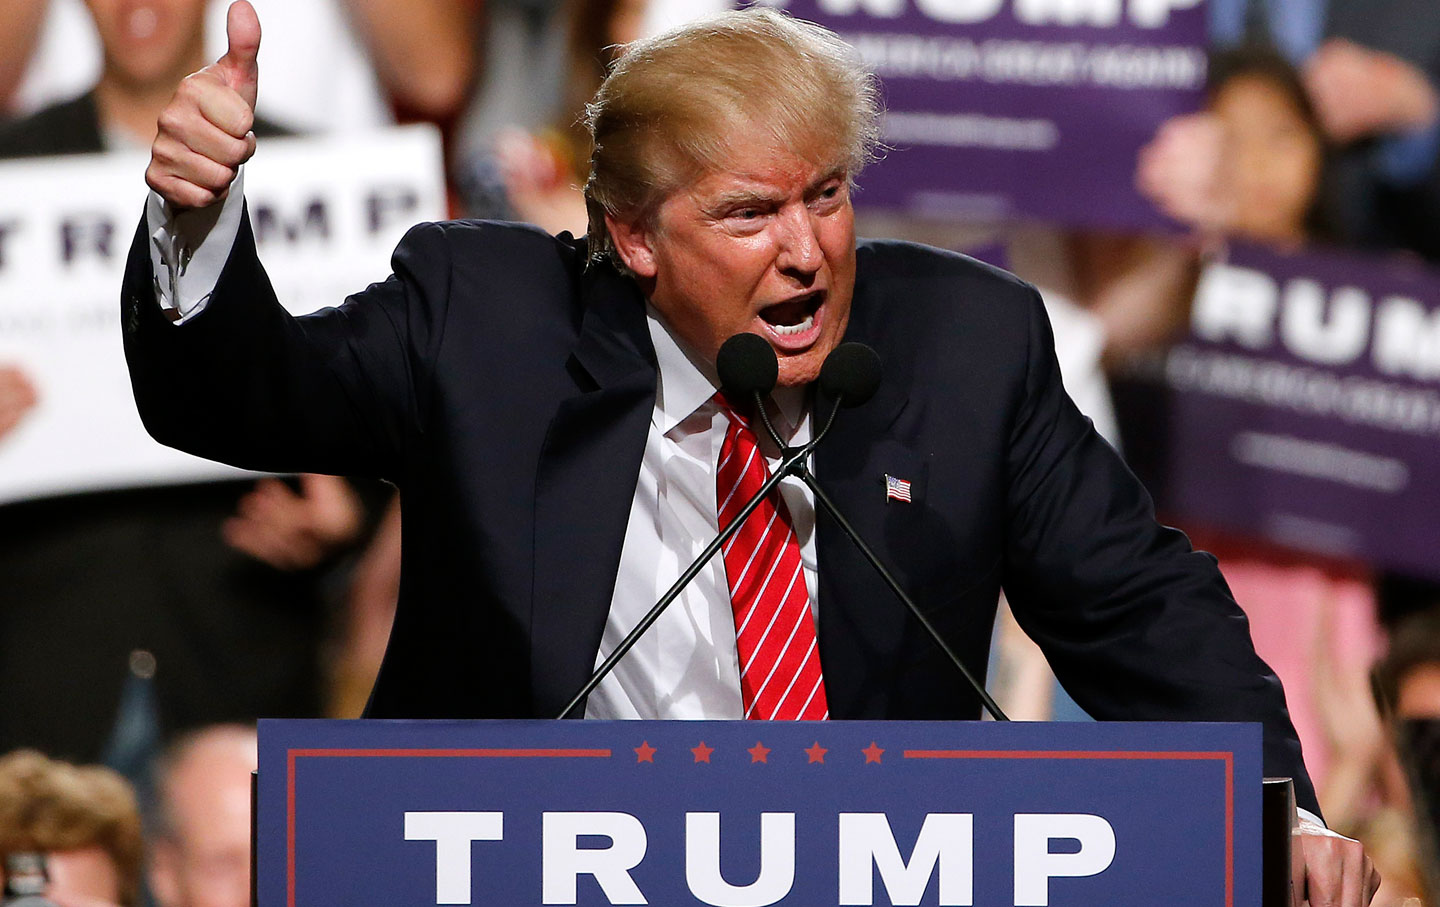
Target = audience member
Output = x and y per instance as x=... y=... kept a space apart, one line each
x=1407 y=684
x=1369 y=69
x=1408 y=677
x=344 y=62
x=147 y=51
x=1251 y=165
x=544 y=171
x=83 y=820
x=353 y=64
x=522 y=45
x=534 y=171
x=200 y=845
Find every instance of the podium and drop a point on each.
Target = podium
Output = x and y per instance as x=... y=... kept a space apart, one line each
x=745 y=814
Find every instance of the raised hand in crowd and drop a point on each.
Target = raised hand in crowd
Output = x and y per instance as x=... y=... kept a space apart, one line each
x=423 y=50
x=17 y=396
x=205 y=131
x=540 y=187
x=291 y=531
x=1359 y=93
x=369 y=614
x=1182 y=171
x=20 y=24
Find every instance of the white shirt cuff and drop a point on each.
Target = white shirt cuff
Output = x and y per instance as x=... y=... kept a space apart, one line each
x=188 y=249
x=1306 y=815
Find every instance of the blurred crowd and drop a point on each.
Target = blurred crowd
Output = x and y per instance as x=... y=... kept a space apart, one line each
x=147 y=629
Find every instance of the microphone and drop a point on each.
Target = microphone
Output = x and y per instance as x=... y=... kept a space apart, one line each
x=851 y=374
x=747 y=367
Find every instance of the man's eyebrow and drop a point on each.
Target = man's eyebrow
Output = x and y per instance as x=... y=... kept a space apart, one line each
x=740 y=198
x=836 y=174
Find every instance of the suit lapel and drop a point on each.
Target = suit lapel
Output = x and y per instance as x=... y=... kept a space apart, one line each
x=585 y=484
x=861 y=621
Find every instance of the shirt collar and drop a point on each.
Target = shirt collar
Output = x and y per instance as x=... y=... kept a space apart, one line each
x=688 y=382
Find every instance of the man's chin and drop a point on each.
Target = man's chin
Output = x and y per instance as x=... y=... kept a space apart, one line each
x=797 y=371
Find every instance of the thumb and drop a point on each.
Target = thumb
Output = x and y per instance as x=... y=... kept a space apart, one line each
x=238 y=66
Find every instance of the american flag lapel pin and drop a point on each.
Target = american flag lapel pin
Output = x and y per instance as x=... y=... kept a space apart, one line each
x=896 y=489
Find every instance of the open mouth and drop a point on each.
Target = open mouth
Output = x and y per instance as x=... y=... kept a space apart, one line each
x=795 y=323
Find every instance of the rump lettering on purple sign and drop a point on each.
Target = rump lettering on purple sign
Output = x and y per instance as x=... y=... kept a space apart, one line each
x=1021 y=108
x=1304 y=407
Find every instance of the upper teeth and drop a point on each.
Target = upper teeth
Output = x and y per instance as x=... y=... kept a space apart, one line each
x=785 y=330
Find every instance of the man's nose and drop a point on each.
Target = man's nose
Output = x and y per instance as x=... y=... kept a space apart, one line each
x=799 y=246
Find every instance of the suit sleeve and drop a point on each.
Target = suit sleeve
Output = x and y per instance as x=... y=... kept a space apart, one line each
x=1136 y=624
x=341 y=391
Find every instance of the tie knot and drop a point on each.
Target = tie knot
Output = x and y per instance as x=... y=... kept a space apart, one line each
x=738 y=411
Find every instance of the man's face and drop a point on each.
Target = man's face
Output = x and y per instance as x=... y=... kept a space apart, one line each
x=205 y=862
x=149 y=44
x=766 y=245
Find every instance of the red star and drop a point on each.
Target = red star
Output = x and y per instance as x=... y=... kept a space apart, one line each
x=872 y=752
x=702 y=752
x=645 y=753
x=816 y=753
x=759 y=752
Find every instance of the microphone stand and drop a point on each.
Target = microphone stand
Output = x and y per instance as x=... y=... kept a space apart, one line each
x=792 y=462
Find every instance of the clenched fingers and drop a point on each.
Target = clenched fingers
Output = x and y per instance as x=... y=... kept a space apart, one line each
x=223 y=106
x=203 y=137
x=1338 y=872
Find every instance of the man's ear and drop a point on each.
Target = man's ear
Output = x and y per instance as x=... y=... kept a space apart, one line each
x=635 y=244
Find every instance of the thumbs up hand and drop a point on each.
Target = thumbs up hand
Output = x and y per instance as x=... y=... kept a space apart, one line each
x=204 y=132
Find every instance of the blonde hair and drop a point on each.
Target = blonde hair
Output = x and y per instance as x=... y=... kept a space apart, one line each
x=47 y=805
x=693 y=99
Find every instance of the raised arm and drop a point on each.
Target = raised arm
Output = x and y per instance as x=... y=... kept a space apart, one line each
x=219 y=368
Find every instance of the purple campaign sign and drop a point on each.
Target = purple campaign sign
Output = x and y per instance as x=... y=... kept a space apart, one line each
x=754 y=813
x=1021 y=108
x=1304 y=408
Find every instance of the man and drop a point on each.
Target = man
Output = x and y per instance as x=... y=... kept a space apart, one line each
x=550 y=416
x=82 y=819
x=200 y=853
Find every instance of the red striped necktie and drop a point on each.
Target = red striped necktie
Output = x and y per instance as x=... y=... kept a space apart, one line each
x=774 y=631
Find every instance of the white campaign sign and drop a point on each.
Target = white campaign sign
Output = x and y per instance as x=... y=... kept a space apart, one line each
x=327 y=214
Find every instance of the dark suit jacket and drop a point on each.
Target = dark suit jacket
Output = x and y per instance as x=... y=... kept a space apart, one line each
x=506 y=389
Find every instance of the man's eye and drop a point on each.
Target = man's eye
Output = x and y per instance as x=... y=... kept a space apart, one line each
x=747 y=213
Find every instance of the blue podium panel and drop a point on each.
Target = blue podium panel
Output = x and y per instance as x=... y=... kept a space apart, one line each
x=745 y=814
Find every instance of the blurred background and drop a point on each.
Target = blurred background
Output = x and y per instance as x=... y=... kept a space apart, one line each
x=1231 y=207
